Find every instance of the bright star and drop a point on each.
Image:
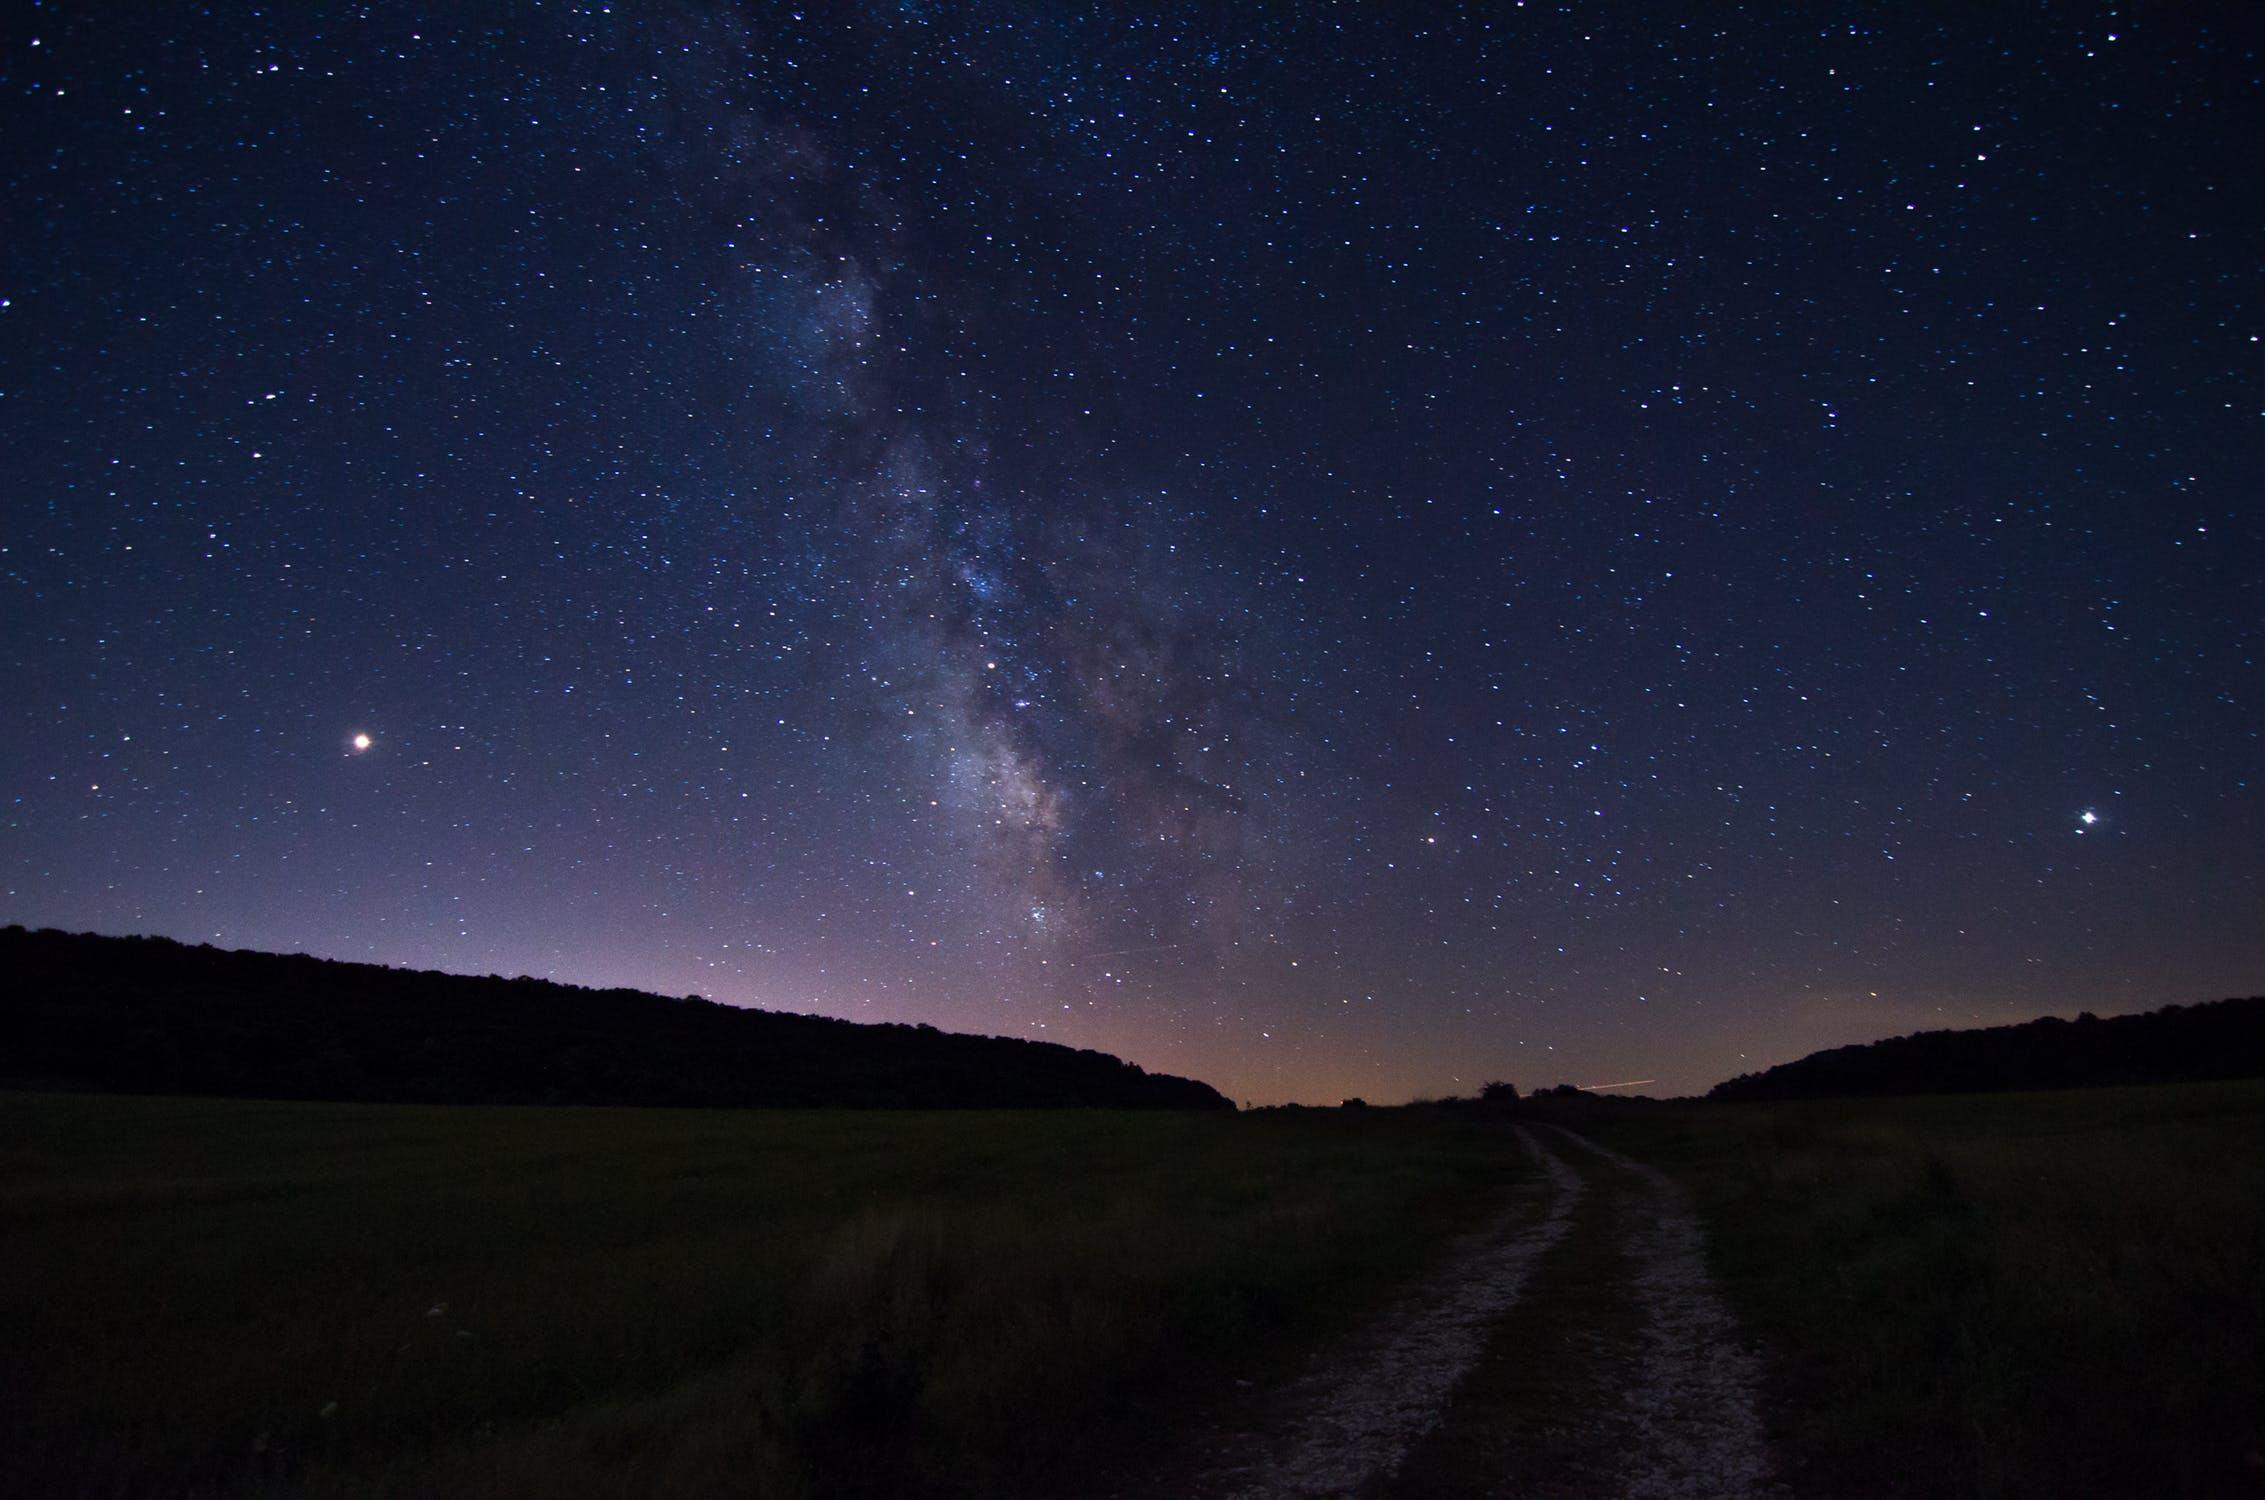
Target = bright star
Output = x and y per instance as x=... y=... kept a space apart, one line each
x=360 y=742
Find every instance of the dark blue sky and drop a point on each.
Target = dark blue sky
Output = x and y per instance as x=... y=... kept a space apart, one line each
x=1344 y=550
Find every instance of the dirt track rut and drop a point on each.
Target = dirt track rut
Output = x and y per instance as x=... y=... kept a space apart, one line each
x=1680 y=1419
x=1689 y=1409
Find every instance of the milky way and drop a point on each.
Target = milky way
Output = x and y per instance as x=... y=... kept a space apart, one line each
x=1333 y=552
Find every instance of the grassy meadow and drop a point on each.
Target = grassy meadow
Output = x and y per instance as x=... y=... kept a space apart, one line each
x=2006 y=1295
x=229 y=1297
x=1993 y=1295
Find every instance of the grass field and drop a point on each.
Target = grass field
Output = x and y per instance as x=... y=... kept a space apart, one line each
x=2010 y=1295
x=224 y=1297
x=2015 y=1295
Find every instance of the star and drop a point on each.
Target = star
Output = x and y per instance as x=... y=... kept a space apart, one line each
x=360 y=743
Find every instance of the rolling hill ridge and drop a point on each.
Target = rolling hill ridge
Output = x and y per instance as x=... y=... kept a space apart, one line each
x=2178 y=1044
x=155 y=1016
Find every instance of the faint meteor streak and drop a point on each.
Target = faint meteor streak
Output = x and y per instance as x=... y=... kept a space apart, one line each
x=1598 y=1088
x=1128 y=952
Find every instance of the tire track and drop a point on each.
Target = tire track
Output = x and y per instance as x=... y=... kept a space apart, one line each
x=1688 y=1416
x=1353 y=1422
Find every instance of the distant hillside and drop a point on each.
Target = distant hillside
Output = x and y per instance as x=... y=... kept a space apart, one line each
x=149 y=1015
x=2178 y=1044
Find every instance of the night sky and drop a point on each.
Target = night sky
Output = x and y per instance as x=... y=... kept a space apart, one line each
x=1346 y=550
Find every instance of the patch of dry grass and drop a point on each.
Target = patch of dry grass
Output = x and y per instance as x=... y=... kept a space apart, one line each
x=1994 y=1295
x=230 y=1297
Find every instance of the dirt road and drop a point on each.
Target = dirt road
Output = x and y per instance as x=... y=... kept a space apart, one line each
x=1576 y=1345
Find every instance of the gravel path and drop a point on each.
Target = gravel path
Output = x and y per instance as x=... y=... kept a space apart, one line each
x=1355 y=1420
x=1688 y=1411
x=1680 y=1424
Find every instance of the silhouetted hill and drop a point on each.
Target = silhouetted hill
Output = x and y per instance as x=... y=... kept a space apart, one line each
x=2177 y=1044
x=150 y=1015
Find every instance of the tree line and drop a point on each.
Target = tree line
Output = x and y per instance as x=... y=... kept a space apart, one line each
x=151 y=1015
x=2177 y=1044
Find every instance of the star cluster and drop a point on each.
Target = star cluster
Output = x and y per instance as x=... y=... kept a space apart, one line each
x=1333 y=550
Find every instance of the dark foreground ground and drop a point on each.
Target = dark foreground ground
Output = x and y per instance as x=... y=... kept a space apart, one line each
x=2017 y=1294
x=225 y=1297
x=2011 y=1295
